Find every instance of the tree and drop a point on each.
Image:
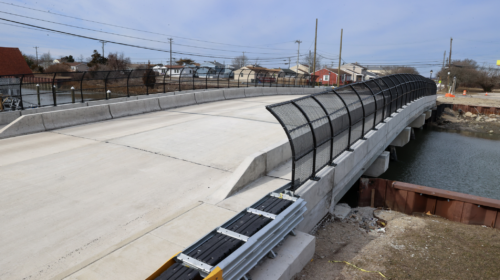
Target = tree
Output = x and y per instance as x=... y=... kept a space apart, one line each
x=117 y=61
x=81 y=58
x=391 y=70
x=67 y=59
x=97 y=61
x=488 y=78
x=184 y=61
x=149 y=76
x=466 y=72
x=309 y=59
x=30 y=60
x=239 y=61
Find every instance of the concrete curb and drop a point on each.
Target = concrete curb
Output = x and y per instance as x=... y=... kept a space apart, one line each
x=27 y=124
x=65 y=118
x=135 y=107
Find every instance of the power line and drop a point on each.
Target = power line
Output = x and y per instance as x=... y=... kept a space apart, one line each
x=103 y=23
x=122 y=35
x=125 y=44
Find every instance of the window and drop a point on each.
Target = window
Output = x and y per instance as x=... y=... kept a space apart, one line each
x=176 y=71
x=326 y=78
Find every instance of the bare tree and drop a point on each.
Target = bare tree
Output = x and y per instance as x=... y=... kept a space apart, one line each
x=390 y=70
x=46 y=59
x=81 y=58
x=309 y=60
x=466 y=72
x=239 y=61
x=117 y=61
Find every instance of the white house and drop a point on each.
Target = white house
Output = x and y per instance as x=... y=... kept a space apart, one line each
x=176 y=70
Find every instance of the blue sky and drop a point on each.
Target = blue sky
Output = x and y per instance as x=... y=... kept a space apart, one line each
x=412 y=33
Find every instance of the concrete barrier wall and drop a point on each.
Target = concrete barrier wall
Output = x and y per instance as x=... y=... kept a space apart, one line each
x=253 y=91
x=23 y=125
x=252 y=168
x=174 y=101
x=269 y=91
x=8 y=117
x=53 y=108
x=233 y=93
x=209 y=96
x=123 y=109
x=65 y=118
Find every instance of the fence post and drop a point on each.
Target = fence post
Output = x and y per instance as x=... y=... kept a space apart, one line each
x=72 y=94
x=180 y=75
x=128 y=77
x=81 y=86
x=193 y=78
x=38 y=94
x=106 y=85
x=54 y=97
x=385 y=102
x=249 y=72
x=164 y=83
x=364 y=115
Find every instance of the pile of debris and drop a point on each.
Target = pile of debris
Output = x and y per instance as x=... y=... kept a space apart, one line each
x=363 y=216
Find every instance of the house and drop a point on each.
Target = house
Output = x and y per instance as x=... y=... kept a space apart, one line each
x=213 y=69
x=328 y=76
x=303 y=69
x=287 y=73
x=176 y=70
x=12 y=62
x=358 y=72
x=255 y=74
x=77 y=66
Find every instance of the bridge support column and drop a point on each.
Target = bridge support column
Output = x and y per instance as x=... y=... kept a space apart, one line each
x=419 y=121
x=379 y=166
x=428 y=114
x=403 y=138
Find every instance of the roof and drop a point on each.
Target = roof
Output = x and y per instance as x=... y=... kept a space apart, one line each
x=342 y=72
x=12 y=62
x=74 y=63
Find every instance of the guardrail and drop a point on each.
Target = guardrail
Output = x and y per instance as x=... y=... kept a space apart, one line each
x=52 y=89
x=322 y=126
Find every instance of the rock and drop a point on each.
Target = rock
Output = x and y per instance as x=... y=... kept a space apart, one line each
x=491 y=120
x=473 y=115
x=341 y=210
x=450 y=112
x=468 y=114
x=491 y=131
x=493 y=116
x=478 y=119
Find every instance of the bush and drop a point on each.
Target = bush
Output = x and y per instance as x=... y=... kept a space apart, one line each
x=59 y=67
x=149 y=78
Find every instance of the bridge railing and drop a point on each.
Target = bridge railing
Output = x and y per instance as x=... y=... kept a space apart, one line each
x=323 y=125
x=52 y=89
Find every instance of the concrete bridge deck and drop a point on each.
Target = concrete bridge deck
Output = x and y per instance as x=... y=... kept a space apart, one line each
x=109 y=197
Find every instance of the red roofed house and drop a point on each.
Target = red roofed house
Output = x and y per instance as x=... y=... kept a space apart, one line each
x=328 y=76
x=12 y=62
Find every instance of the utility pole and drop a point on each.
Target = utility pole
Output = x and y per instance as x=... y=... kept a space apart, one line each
x=103 y=42
x=298 y=54
x=314 y=61
x=36 y=48
x=243 y=61
x=170 y=63
x=444 y=55
x=340 y=57
x=449 y=67
x=289 y=62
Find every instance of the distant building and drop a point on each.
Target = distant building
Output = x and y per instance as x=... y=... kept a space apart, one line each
x=256 y=74
x=176 y=70
x=358 y=72
x=77 y=66
x=213 y=69
x=303 y=69
x=328 y=76
x=12 y=62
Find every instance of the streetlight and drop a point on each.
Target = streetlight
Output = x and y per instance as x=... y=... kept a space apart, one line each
x=431 y=75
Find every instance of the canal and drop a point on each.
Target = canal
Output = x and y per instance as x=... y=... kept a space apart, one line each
x=452 y=161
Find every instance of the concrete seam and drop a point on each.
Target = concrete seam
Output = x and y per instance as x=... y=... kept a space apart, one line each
x=223 y=117
x=43 y=122
x=160 y=154
x=109 y=109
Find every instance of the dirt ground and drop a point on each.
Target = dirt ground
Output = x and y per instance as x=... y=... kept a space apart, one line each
x=486 y=126
x=412 y=247
x=493 y=100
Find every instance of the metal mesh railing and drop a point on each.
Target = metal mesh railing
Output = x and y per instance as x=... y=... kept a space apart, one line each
x=323 y=125
x=52 y=89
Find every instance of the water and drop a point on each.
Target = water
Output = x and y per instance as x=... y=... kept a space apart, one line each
x=445 y=160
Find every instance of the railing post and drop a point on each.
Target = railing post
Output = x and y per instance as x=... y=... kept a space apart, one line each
x=350 y=121
x=192 y=73
x=72 y=94
x=331 y=128
x=218 y=78
x=180 y=75
x=364 y=115
x=164 y=91
x=392 y=98
x=385 y=102
x=376 y=107
x=81 y=85
x=206 y=78
x=54 y=97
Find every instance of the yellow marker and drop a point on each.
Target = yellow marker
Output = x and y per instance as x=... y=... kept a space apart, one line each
x=358 y=267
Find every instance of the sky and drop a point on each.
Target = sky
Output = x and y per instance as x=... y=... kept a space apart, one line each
x=412 y=33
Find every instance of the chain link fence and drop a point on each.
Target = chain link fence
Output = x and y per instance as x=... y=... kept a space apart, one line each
x=52 y=89
x=323 y=125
